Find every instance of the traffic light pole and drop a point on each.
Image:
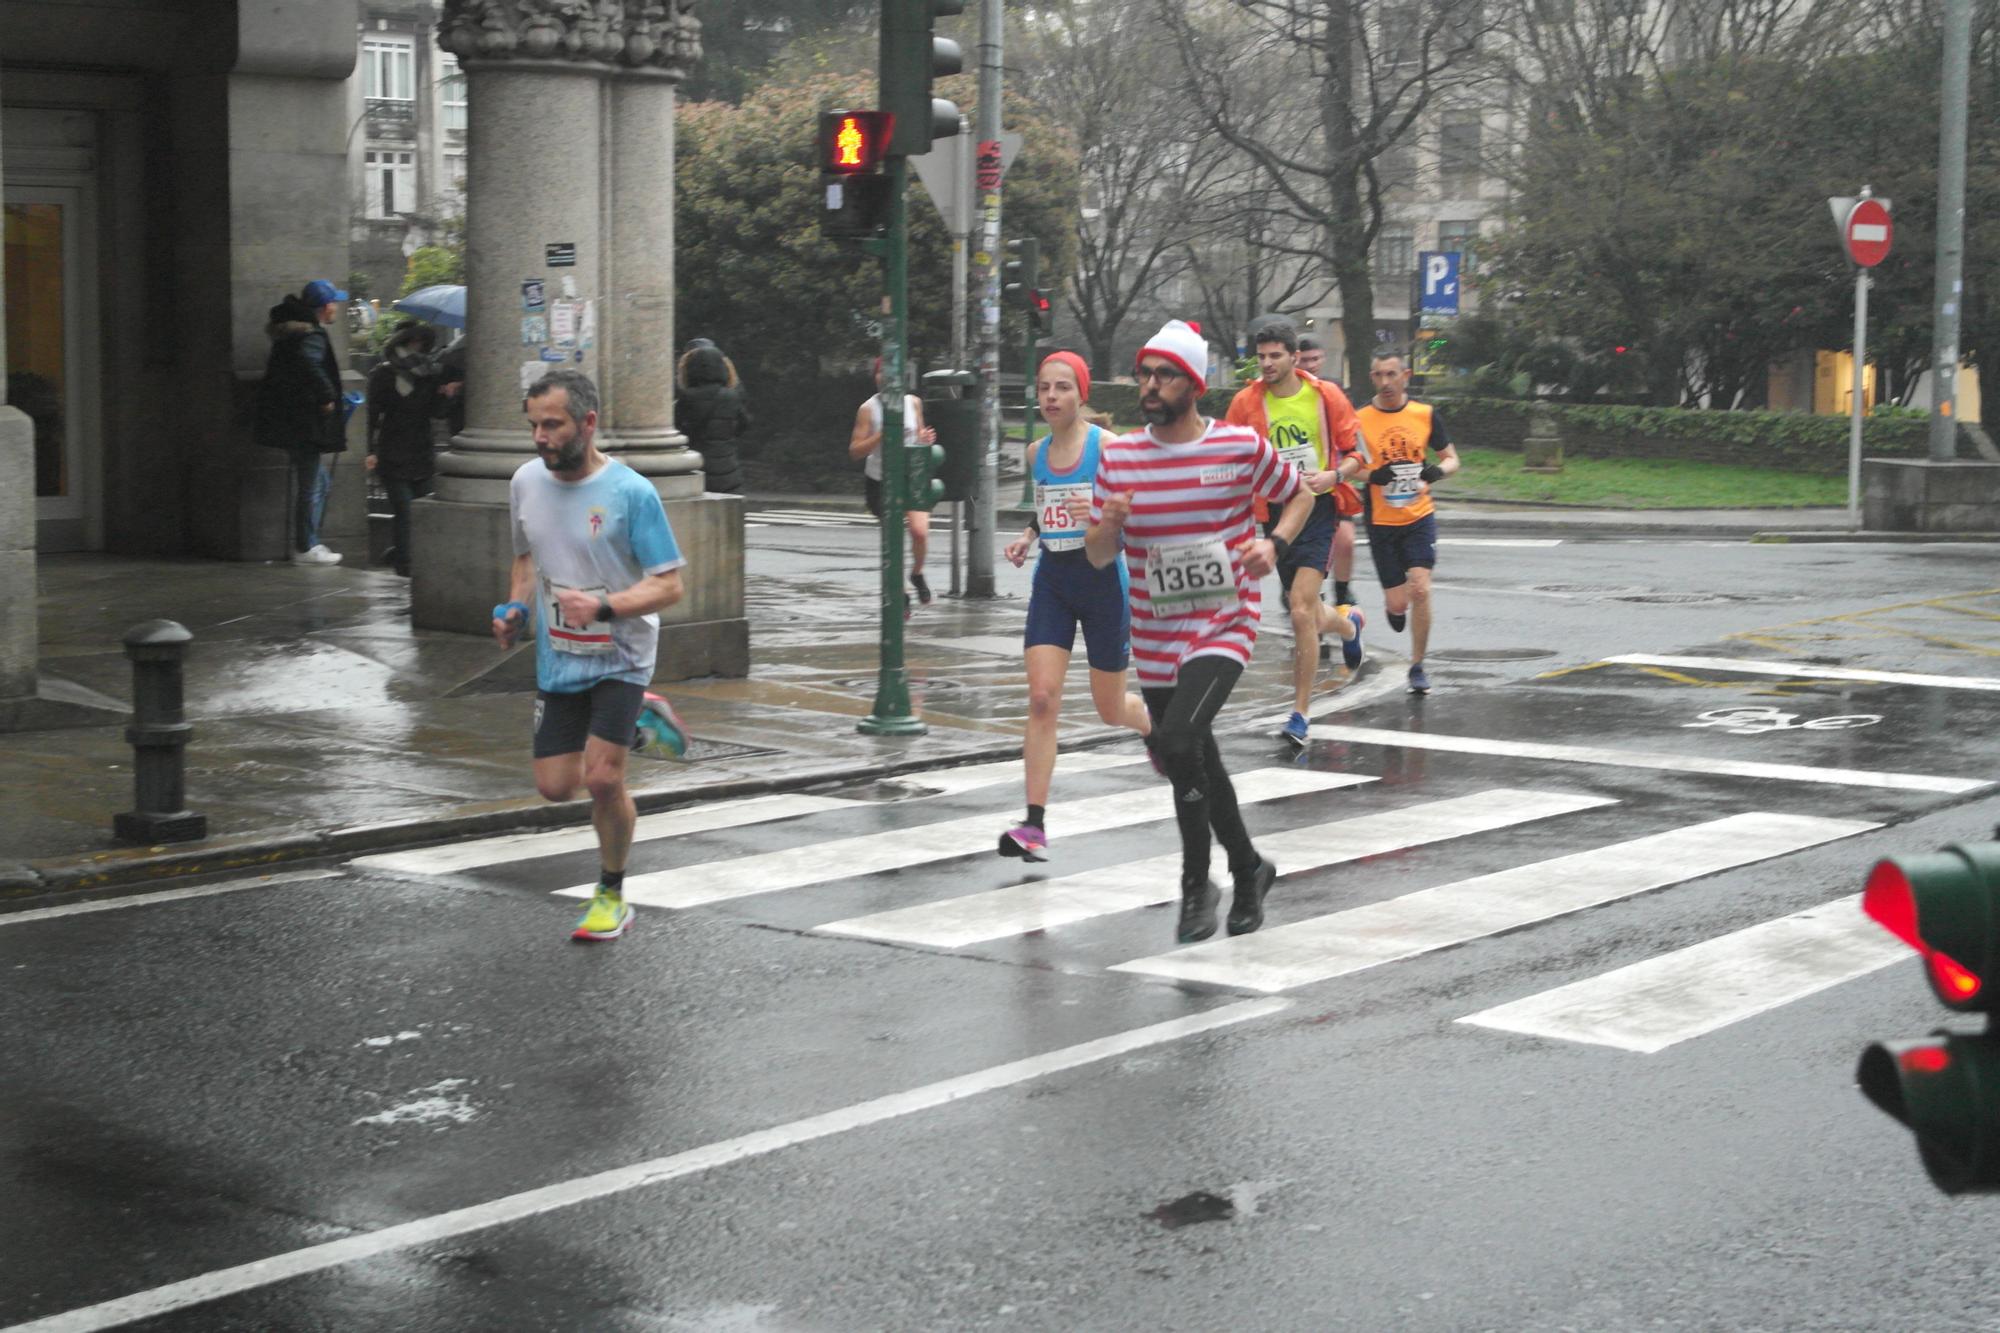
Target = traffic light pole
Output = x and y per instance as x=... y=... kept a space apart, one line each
x=983 y=516
x=891 y=715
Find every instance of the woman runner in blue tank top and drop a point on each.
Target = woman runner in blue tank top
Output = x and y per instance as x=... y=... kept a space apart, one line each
x=1068 y=592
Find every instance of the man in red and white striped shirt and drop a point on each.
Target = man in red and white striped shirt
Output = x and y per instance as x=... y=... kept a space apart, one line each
x=1177 y=497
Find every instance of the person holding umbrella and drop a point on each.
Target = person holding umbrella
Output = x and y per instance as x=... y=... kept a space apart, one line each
x=402 y=400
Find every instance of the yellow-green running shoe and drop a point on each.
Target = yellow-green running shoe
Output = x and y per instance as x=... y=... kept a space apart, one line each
x=607 y=918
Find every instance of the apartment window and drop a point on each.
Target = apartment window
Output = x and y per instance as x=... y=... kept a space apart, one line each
x=1396 y=167
x=1400 y=38
x=451 y=94
x=1459 y=236
x=454 y=173
x=1458 y=152
x=1395 y=254
x=388 y=69
x=391 y=177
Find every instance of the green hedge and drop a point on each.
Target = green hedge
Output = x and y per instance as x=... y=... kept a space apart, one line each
x=1793 y=441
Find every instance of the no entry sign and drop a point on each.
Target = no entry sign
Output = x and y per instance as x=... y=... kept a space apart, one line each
x=1866 y=232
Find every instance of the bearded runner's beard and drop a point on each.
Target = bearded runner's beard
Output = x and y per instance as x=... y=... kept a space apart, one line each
x=566 y=459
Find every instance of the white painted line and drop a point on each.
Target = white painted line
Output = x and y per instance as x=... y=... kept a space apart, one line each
x=952 y=781
x=1279 y=958
x=511 y=1208
x=1499 y=541
x=896 y=849
x=1672 y=763
x=1650 y=1006
x=956 y=922
x=443 y=860
x=1739 y=665
x=151 y=896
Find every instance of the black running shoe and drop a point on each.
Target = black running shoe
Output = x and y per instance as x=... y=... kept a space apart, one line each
x=1198 y=902
x=923 y=589
x=1246 y=909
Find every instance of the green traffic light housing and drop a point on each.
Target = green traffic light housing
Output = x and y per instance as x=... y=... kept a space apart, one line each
x=1946 y=906
x=926 y=463
x=912 y=55
x=1946 y=1090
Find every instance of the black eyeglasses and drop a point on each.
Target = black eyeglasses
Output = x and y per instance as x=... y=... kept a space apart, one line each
x=1161 y=374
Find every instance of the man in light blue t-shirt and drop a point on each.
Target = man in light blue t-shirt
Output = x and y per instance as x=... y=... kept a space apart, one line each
x=595 y=558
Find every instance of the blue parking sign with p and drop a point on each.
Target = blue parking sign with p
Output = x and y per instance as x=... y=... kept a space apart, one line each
x=1438 y=270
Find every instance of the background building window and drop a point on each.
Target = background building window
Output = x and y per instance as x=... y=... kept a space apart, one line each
x=391 y=177
x=388 y=69
x=1459 y=236
x=1396 y=166
x=1458 y=152
x=454 y=174
x=451 y=94
x=1395 y=255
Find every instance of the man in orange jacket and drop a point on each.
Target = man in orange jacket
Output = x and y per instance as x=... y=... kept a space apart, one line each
x=1312 y=425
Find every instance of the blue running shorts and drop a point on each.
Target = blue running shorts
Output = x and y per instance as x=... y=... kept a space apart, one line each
x=1311 y=549
x=1069 y=592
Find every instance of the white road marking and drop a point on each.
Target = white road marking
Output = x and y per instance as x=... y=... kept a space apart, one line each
x=1760 y=668
x=450 y=857
x=1499 y=541
x=895 y=849
x=1673 y=763
x=1279 y=958
x=952 y=781
x=148 y=897
x=1652 y=1005
x=956 y=922
x=213 y=1286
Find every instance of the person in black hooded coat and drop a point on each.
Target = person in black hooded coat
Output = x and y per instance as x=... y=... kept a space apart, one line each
x=299 y=408
x=402 y=401
x=709 y=410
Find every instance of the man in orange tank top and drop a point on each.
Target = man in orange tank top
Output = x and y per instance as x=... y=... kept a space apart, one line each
x=1411 y=451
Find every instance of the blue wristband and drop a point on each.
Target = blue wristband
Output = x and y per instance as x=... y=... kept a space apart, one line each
x=507 y=609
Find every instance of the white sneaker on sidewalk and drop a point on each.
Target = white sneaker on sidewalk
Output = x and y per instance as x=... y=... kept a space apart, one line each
x=319 y=555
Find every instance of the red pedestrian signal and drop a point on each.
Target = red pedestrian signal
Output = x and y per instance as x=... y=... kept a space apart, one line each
x=1944 y=906
x=1945 y=1088
x=853 y=142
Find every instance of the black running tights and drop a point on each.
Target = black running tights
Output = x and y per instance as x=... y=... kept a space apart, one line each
x=1183 y=715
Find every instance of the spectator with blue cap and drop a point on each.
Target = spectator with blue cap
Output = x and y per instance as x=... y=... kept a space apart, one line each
x=301 y=409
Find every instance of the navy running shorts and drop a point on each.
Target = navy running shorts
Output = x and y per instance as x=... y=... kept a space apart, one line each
x=608 y=710
x=871 y=495
x=1399 y=550
x=1069 y=591
x=1311 y=549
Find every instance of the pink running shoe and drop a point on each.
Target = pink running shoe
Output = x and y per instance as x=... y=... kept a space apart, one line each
x=1025 y=841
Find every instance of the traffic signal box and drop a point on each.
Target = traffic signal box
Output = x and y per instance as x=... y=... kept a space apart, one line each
x=1019 y=277
x=1945 y=1087
x=912 y=55
x=854 y=192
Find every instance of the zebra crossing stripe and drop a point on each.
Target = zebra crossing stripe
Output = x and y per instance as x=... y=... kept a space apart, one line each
x=1279 y=958
x=952 y=781
x=667 y=824
x=1673 y=763
x=956 y=922
x=1807 y=669
x=1655 y=1004
x=896 y=849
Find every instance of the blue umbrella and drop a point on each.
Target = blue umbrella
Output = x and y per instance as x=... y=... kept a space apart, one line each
x=443 y=304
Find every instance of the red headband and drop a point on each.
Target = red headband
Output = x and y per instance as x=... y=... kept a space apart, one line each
x=1075 y=363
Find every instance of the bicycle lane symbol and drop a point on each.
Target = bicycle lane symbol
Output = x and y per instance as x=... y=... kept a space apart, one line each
x=1755 y=720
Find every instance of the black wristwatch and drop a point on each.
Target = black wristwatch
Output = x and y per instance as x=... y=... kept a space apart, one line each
x=604 y=611
x=1280 y=546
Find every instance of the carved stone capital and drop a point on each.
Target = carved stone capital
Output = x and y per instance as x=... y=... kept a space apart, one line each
x=657 y=37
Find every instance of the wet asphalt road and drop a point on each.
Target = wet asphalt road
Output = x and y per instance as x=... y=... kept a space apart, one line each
x=203 y=1083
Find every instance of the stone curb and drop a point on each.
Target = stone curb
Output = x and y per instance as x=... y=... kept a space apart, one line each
x=1871 y=535
x=113 y=869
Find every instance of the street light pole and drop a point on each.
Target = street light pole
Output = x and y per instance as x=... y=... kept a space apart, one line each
x=1950 y=292
x=983 y=513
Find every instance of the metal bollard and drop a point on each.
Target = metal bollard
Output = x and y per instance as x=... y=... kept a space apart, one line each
x=158 y=735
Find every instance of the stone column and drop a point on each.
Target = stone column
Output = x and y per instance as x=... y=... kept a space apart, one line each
x=571 y=146
x=20 y=636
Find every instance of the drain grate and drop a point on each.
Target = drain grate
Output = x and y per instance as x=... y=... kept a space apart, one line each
x=701 y=751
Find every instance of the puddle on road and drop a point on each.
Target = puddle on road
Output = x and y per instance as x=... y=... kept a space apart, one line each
x=1190 y=1209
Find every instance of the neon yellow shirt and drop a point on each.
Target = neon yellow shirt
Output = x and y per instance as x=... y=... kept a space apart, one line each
x=1295 y=428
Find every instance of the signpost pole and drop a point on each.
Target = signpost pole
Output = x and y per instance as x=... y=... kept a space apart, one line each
x=1855 y=409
